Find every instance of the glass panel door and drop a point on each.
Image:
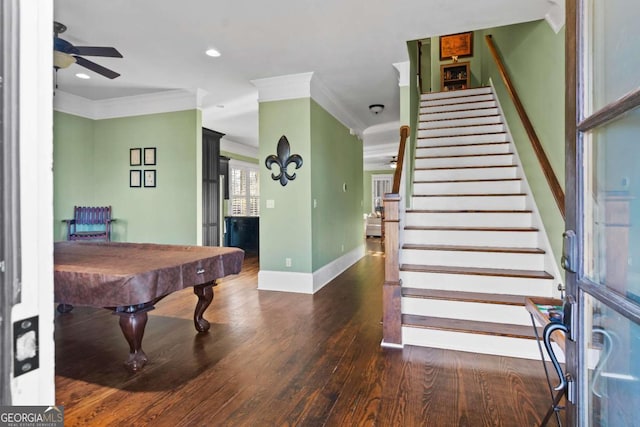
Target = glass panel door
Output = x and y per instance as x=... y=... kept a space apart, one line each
x=605 y=195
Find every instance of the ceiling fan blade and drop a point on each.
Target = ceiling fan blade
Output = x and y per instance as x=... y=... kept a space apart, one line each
x=111 y=52
x=96 y=67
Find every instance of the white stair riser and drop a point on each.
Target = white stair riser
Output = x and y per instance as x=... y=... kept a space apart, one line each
x=474 y=187
x=463 y=150
x=494 y=239
x=458 y=107
x=502 y=260
x=474 y=343
x=476 y=283
x=464 y=173
x=455 y=162
x=491 y=111
x=456 y=100
x=481 y=312
x=464 y=139
x=442 y=203
x=468 y=219
x=465 y=92
x=484 y=120
x=463 y=130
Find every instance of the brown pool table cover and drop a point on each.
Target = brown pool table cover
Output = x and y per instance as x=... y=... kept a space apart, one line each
x=110 y=274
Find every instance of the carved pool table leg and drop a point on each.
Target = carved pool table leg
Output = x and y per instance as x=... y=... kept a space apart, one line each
x=205 y=296
x=132 y=325
x=64 y=308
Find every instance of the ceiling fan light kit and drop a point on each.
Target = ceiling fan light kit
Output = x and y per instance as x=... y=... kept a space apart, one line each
x=65 y=54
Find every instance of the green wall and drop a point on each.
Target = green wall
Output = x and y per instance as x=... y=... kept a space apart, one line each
x=285 y=230
x=91 y=165
x=332 y=161
x=534 y=57
x=336 y=187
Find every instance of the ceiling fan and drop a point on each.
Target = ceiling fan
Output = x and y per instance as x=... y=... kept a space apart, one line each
x=65 y=54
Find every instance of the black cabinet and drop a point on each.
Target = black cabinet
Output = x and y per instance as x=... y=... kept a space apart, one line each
x=242 y=232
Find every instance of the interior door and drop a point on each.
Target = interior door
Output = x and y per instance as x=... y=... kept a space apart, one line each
x=602 y=243
x=211 y=187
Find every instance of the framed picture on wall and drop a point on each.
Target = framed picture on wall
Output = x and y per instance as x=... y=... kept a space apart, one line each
x=456 y=45
x=150 y=156
x=150 y=178
x=135 y=156
x=135 y=178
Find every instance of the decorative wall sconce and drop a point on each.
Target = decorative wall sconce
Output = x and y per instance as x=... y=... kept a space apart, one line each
x=283 y=159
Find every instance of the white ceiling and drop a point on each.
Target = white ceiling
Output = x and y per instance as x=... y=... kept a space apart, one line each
x=349 y=45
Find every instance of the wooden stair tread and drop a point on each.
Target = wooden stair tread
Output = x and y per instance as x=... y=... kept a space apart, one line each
x=479 y=297
x=519 y=229
x=511 y=250
x=463 y=126
x=467 y=211
x=477 y=271
x=449 y=104
x=463 y=155
x=472 y=144
x=459 y=135
x=470 y=326
x=463 y=167
x=470 y=195
x=467 y=180
x=462 y=118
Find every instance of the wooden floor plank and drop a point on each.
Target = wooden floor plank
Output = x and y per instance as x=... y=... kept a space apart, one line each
x=274 y=358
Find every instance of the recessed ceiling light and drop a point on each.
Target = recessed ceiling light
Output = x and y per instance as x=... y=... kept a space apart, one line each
x=213 y=52
x=83 y=76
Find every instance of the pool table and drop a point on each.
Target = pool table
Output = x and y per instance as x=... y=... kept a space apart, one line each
x=130 y=278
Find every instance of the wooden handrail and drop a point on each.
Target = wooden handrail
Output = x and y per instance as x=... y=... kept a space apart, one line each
x=419 y=65
x=404 y=134
x=552 y=180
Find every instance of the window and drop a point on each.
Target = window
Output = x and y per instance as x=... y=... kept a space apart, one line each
x=244 y=189
x=380 y=184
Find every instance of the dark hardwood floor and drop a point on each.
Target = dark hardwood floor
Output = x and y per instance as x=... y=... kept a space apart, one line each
x=273 y=359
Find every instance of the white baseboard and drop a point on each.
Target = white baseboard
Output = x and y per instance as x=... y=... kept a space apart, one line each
x=308 y=283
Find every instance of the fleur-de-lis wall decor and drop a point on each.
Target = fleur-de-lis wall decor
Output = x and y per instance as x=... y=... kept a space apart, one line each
x=283 y=160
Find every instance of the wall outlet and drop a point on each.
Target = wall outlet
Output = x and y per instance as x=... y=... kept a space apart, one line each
x=342 y=248
x=315 y=203
x=271 y=204
x=287 y=262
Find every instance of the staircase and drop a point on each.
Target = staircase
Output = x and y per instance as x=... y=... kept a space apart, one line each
x=470 y=251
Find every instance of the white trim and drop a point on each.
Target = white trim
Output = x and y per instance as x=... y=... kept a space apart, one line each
x=306 y=85
x=403 y=73
x=390 y=149
x=556 y=16
x=231 y=146
x=291 y=86
x=327 y=100
x=308 y=283
x=330 y=271
x=283 y=281
x=126 y=106
x=391 y=345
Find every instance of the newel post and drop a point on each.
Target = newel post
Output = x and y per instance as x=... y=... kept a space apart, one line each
x=391 y=313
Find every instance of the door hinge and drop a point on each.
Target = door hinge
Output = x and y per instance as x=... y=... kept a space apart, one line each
x=569 y=251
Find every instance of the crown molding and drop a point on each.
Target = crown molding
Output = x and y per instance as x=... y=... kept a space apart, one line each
x=280 y=88
x=327 y=100
x=126 y=106
x=231 y=146
x=403 y=73
x=306 y=85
